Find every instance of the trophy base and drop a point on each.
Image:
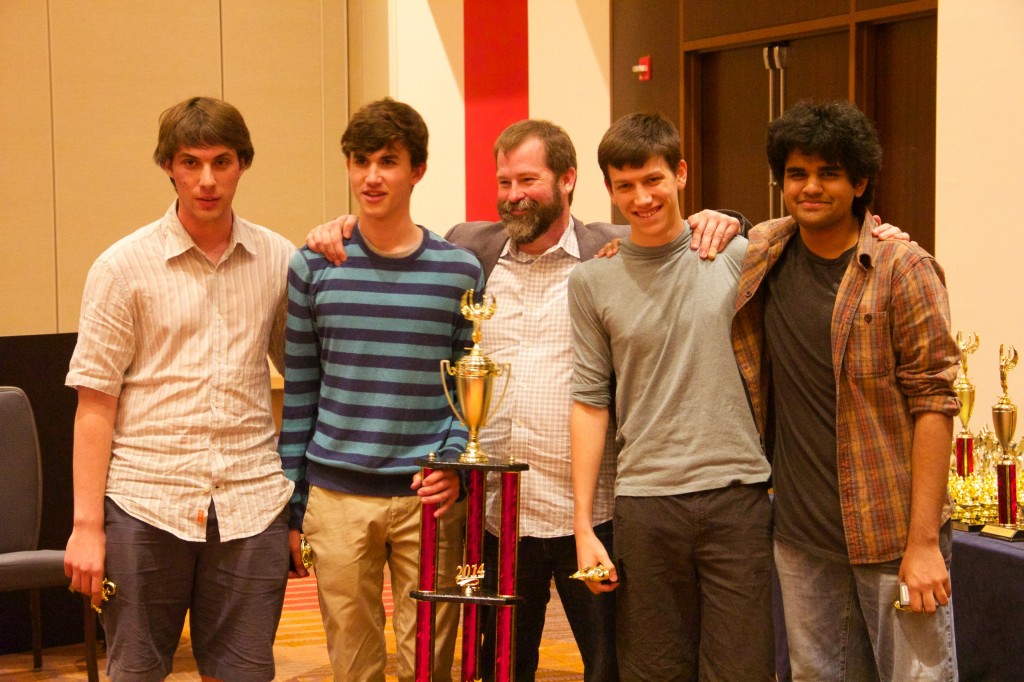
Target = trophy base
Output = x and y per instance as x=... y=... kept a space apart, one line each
x=458 y=595
x=490 y=465
x=967 y=526
x=1005 y=533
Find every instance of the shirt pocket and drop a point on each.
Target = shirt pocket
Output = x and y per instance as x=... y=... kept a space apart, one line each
x=869 y=350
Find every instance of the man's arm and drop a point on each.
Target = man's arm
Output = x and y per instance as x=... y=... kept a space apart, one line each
x=923 y=568
x=588 y=426
x=326 y=239
x=85 y=557
x=302 y=376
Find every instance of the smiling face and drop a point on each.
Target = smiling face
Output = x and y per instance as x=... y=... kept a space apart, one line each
x=205 y=179
x=649 y=199
x=382 y=183
x=819 y=194
x=530 y=198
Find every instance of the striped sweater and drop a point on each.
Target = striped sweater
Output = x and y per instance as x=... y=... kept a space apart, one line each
x=363 y=393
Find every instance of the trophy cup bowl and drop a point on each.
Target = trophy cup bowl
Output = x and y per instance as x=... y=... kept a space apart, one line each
x=474 y=387
x=1004 y=423
x=965 y=392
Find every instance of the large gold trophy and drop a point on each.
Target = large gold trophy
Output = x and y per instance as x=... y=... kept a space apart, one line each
x=474 y=376
x=1004 y=422
x=474 y=380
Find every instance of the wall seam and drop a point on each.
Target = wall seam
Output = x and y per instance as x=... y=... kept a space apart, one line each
x=53 y=169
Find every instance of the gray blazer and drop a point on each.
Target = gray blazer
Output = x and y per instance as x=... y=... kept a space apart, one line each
x=486 y=240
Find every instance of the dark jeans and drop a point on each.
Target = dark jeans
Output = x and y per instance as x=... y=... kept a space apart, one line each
x=695 y=601
x=591 y=617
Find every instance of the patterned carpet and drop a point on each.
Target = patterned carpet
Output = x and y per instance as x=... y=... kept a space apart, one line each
x=299 y=649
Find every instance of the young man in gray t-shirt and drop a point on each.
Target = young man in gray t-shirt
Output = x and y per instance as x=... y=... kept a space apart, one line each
x=651 y=330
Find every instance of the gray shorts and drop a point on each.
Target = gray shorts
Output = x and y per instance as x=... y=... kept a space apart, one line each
x=233 y=592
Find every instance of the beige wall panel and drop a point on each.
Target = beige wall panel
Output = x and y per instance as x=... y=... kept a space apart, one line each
x=980 y=96
x=428 y=72
x=369 y=51
x=274 y=72
x=28 y=272
x=116 y=65
x=336 y=104
x=570 y=84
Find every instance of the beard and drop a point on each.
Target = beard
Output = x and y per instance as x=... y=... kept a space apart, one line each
x=537 y=219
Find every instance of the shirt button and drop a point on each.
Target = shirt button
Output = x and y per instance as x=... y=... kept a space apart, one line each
x=867 y=318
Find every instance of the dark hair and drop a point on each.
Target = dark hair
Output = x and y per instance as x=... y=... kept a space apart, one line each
x=202 y=122
x=635 y=139
x=559 y=152
x=836 y=131
x=384 y=123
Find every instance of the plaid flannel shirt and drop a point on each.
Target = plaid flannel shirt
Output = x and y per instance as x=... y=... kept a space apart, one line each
x=893 y=358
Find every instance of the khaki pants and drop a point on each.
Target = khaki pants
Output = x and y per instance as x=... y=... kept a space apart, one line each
x=352 y=536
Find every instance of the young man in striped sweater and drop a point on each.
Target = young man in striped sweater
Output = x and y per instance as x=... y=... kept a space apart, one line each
x=363 y=400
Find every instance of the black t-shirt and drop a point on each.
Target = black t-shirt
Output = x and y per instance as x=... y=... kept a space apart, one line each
x=800 y=300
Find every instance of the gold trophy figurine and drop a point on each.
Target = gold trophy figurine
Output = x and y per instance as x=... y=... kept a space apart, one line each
x=1004 y=422
x=474 y=380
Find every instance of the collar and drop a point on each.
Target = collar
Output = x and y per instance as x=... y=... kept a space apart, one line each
x=867 y=245
x=179 y=241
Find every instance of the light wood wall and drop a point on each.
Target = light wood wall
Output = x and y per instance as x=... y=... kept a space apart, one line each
x=978 y=238
x=81 y=87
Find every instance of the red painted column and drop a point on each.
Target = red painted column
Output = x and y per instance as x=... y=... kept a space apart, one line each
x=425 y=610
x=496 y=45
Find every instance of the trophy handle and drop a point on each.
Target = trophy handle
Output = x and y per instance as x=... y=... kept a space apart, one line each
x=446 y=371
x=506 y=369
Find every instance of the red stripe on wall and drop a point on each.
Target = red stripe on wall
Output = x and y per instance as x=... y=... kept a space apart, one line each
x=495 y=36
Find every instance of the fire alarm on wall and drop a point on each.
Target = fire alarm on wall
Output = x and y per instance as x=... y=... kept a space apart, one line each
x=642 y=68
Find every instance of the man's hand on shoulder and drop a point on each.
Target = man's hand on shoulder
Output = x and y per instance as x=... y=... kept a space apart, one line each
x=712 y=232
x=326 y=239
x=884 y=232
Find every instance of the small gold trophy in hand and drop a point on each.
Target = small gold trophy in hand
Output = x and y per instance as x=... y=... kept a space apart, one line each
x=474 y=380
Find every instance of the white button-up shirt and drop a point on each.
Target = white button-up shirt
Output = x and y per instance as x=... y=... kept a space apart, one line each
x=183 y=345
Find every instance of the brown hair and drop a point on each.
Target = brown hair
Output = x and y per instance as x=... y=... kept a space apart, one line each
x=383 y=123
x=202 y=122
x=559 y=152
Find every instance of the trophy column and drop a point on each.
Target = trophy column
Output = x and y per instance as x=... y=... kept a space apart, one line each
x=966 y=478
x=1004 y=421
x=965 y=391
x=474 y=377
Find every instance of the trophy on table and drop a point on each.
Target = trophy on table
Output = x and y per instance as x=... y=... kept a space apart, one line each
x=474 y=376
x=1004 y=422
x=965 y=392
x=963 y=486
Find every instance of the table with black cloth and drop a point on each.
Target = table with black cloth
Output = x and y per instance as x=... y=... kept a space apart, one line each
x=988 y=607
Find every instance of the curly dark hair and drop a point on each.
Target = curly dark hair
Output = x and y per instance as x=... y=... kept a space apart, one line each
x=836 y=131
x=383 y=123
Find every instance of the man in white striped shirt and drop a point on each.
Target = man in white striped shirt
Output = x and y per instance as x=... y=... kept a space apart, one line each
x=179 y=494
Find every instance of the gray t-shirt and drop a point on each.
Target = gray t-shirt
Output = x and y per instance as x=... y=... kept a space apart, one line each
x=658 y=319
